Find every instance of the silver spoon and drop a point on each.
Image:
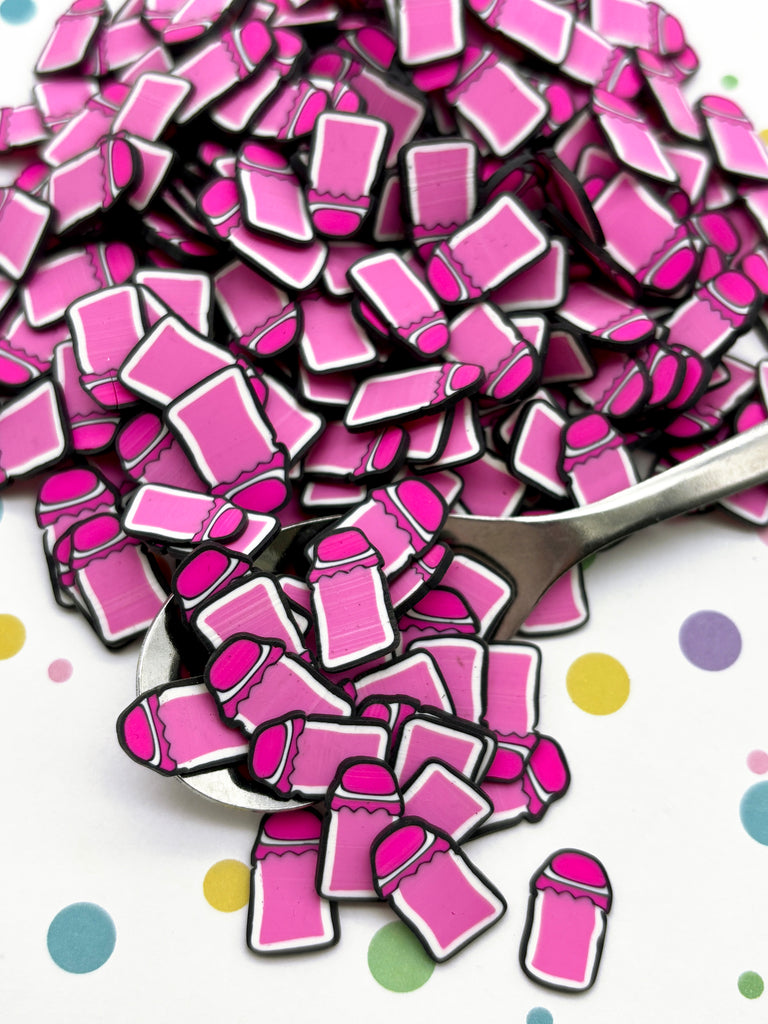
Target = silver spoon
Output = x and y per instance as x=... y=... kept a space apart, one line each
x=534 y=552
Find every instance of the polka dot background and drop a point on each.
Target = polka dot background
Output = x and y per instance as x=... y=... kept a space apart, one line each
x=17 y=12
x=226 y=885
x=81 y=938
x=397 y=960
x=118 y=875
x=598 y=683
x=710 y=640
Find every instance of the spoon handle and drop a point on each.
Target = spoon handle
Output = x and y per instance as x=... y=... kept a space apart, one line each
x=734 y=465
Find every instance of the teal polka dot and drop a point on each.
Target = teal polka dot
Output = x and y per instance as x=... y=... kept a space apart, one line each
x=753 y=811
x=538 y=1015
x=17 y=12
x=81 y=938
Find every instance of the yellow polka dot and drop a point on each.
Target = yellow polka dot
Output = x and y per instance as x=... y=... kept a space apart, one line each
x=226 y=885
x=597 y=683
x=764 y=135
x=12 y=635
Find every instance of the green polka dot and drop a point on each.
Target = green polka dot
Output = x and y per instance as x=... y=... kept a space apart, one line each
x=729 y=81
x=586 y=562
x=751 y=985
x=397 y=959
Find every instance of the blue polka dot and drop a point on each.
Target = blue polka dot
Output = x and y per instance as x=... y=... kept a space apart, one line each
x=81 y=938
x=17 y=12
x=753 y=811
x=538 y=1015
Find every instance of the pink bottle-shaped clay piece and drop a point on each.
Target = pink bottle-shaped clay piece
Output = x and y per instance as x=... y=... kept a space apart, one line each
x=338 y=453
x=567 y=916
x=440 y=189
x=92 y=428
x=297 y=756
x=562 y=608
x=149 y=453
x=486 y=252
x=447 y=800
x=256 y=681
x=65 y=498
x=231 y=442
x=497 y=101
x=345 y=162
x=170 y=360
x=217 y=66
x=545 y=777
x=428 y=33
x=401 y=521
x=116 y=579
x=33 y=432
x=253 y=604
x=23 y=224
x=168 y=514
x=263 y=318
x=595 y=462
x=509 y=362
x=238 y=107
x=737 y=145
x=26 y=354
x=273 y=199
x=200 y=576
x=105 y=327
x=462 y=662
x=286 y=914
x=410 y=393
x=363 y=799
x=401 y=301
x=350 y=601
x=288 y=265
x=433 y=887
x=71 y=36
x=414 y=676
x=660 y=255
x=59 y=280
x=175 y=729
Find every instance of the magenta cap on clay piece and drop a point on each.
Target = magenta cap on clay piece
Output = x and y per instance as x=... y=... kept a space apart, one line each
x=368 y=778
x=579 y=874
x=272 y=751
x=398 y=848
x=241 y=658
x=422 y=503
x=138 y=734
x=298 y=826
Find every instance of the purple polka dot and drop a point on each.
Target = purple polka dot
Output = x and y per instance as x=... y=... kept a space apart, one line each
x=710 y=640
x=757 y=762
x=60 y=670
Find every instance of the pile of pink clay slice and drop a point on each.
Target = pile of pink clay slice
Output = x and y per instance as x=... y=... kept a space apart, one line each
x=267 y=261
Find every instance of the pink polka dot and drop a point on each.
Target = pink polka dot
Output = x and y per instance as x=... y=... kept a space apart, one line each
x=60 y=670
x=757 y=762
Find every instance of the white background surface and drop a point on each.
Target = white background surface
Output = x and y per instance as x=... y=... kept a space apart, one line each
x=655 y=792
